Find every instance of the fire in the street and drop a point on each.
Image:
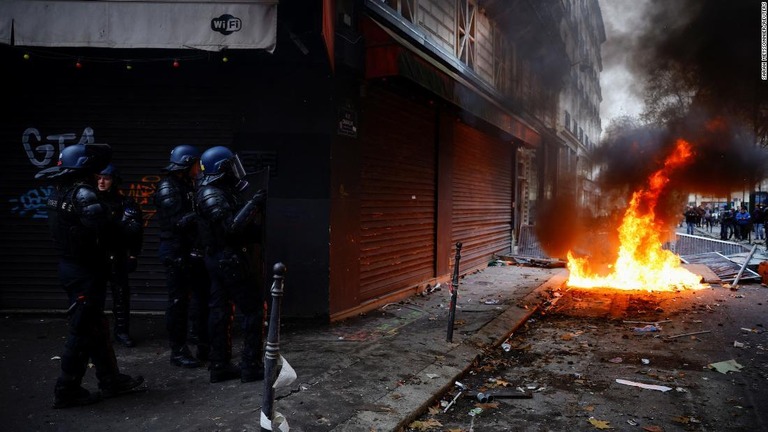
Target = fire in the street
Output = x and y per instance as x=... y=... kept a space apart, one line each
x=642 y=264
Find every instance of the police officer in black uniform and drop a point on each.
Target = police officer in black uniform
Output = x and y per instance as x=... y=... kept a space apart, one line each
x=231 y=234
x=186 y=277
x=78 y=218
x=125 y=239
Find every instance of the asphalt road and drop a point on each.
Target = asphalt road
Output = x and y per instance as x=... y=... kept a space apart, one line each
x=585 y=366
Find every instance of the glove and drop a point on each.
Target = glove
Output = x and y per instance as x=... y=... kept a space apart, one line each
x=132 y=264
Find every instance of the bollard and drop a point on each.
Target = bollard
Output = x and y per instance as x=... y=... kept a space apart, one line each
x=454 y=292
x=272 y=351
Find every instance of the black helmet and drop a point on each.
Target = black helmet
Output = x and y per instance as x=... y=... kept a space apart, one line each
x=183 y=157
x=217 y=162
x=79 y=158
x=110 y=170
x=75 y=157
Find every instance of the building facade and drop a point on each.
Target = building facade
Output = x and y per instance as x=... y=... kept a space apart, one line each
x=393 y=130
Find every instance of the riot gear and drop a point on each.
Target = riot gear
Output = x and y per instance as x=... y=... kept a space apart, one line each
x=230 y=231
x=78 y=219
x=183 y=157
x=218 y=162
x=186 y=277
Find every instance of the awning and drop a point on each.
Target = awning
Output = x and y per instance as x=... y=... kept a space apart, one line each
x=210 y=26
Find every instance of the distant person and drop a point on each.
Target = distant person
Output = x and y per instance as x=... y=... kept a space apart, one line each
x=727 y=224
x=691 y=216
x=124 y=242
x=743 y=223
x=758 y=222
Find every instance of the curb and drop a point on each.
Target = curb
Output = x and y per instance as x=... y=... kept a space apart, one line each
x=410 y=401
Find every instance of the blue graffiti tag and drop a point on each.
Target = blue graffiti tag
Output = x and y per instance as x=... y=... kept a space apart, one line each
x=32 y=203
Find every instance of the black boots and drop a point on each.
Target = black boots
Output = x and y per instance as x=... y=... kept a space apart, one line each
x=125 y=340
x=183 y=358
x=119 y=384
x=223 y=372
x=67 y=395
x=251 y=373
x=228 y=371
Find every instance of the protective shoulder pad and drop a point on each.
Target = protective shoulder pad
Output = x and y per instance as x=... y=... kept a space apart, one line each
x=168 y=195
x=212 y=203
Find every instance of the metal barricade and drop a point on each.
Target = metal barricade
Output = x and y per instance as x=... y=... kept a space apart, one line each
x=687 y=244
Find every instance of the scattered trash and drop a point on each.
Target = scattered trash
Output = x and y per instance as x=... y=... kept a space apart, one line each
x=492 y=301
x=616 y=360
x=599 y=424
x=749 y=330
x=689 y=334
x=647 y=329
x=737 y=344
x=642 y=385
x=648 y=322
x=681 y=390
x=462 y=388
x=506 y=346
x=484 y=397
x=55 y=358
x=632 y=422
x=475 y=411
x=726 y=366
x=645 y=361
x=432 y=376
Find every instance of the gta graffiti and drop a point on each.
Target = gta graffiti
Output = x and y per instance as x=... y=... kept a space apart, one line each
x=43 y=153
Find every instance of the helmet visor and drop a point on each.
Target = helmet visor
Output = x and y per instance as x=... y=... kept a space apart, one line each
x=237 y=167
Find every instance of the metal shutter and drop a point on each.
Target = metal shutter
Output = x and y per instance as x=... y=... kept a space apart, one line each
x=397 y=244
x=482 y=196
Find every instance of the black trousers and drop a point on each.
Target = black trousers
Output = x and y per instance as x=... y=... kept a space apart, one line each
x=88 y=336
x=235 y=281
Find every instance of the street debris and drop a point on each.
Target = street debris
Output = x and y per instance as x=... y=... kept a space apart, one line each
x=726 y=366
x=737 y=344
x=647 y=329
x=643 y=385
x=599 y=424
x=689 y=334
x=656 y=323
x=462 y=388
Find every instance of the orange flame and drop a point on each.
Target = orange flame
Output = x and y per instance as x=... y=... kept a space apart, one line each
x=642 y=264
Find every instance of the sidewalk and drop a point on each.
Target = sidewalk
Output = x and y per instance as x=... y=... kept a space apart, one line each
x=371 y=373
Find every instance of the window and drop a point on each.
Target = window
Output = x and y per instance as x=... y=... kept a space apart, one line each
x=465 y=32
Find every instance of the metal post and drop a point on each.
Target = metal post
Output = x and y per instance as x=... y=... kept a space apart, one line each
x=272 y=351
x=454 y=292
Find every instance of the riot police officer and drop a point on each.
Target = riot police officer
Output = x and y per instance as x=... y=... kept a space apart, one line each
x=186 y=277
x=230 y=230
x=124 y=242
x=77 y=218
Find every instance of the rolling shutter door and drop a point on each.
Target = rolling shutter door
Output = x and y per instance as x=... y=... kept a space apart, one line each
x=397 y=242
x=142 y=116
x=482 y=196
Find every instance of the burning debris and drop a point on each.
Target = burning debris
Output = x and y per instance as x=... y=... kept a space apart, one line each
x=642 y=264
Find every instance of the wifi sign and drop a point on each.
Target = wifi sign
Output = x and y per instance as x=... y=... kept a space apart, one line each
x=226 y=24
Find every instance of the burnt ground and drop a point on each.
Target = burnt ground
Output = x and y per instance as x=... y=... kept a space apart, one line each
x=568 y=357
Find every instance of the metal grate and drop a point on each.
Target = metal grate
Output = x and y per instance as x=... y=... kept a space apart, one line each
x=529 y=245
x=686 y=244
x=725 y=268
